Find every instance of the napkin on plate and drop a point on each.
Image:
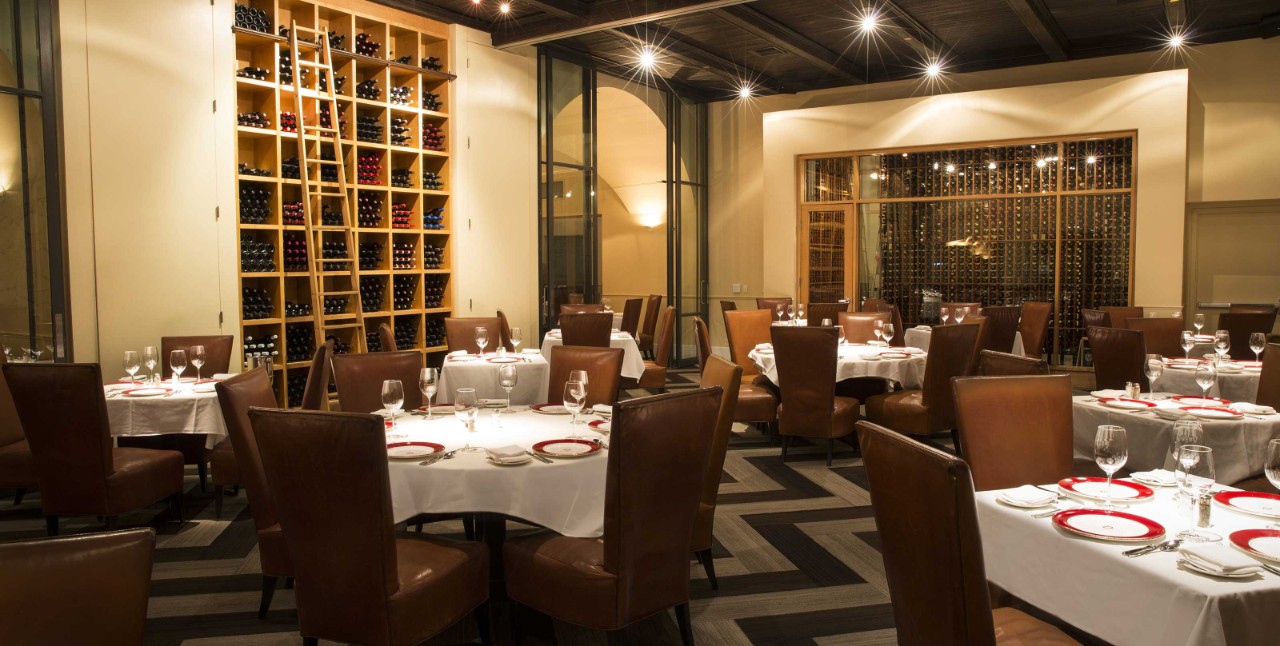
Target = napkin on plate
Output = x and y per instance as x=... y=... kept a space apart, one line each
x=510 y=453
x=222 y=376
x=1230 y=367
x=924 y=327
x=1163 y=476
x=457 y=353
x=603 y=409
x=1029 y=496
x=1218 y=558
x=1108 y=393
x=1252 y=409
x=764 y=346
x=531 y=351
x=1171 y=414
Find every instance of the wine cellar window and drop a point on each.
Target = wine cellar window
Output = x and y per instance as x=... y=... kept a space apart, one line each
x=998 y=223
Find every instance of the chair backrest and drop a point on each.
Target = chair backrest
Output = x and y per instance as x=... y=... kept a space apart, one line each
x=819 y=311
x=1117 y=357
x=1269 y=380
x=631 y=316
x=315 y=394
x=728 y=377
x=974 y=308
x=461 y=333
x=651 y=314
x=235 y=397
x=924 y=505
x=1252 y=309
x=1121 y=315
x=895 y=318
x=1242 y=324
x=1002 y=326
x=316 y=463
x=85 y=589
x=64 y=414
x=728 y=306
x=663 y=337
x=772 y=303
x=1160 y=336
x=217 y=353
x=359 y=378
x=575 y=298
x=386 y=338
x=1004 y=364
x=504 y=326
x=581 y=308
x=806 y=363
x=591 y=329
x=655 y=473
x=950 y=355
x=984 y=330
x=1015 y=430
x=872 y=304
x=1095 y=318
x=10 y=425
x=745 y=330
x=1035 y=327
x=859 y=327
x=604 y=373
x=703 y=338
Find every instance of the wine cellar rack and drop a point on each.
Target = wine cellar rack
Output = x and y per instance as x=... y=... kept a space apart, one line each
x=390 y=141
x=999 y=224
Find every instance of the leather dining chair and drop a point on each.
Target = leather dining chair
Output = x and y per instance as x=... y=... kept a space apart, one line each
x=1014 y=430
x=1034 y=327
x=984 y=330
x=831 y=311
x=1160 y=336
x=357 y=580
x=772 y=303
x=1095 y=318
x=315 y=394
x=592 y=329
x=217 y=354
x=235 y=397
x=859 y=327
x=1003 y=364
x=652 y=307
x=757 y=397
x=83 y=589
x=1120 y=315
x=640 y=566
x=1118 y=356
x=1240 y=325
x=581 y=308
x=461 y=333
x=702 y=336
x=930 y=409
x=64 y=413
x=728 y=377
x=895 y=317
x=359 y=379
x=604 y=373
x=924 y=504
x=806 y=360
x=974 y=308
x=504 y=328
x=1269 y=380
x=1241 y=308
x=872 y=304
x=386 y=338
x=728 y=306
x=1002 y=326
x=17 y=465
x=631 y=316
x=655 y=371
x=575 y=298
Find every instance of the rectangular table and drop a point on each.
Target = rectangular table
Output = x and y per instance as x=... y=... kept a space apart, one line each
x=632 y=361
x=185 y=411
x=532 y=373
x=1240 y=385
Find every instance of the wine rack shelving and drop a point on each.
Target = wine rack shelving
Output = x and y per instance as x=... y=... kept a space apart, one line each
x=386 y=65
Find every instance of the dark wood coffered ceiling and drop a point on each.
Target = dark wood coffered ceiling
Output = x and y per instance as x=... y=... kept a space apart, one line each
x=709 y=49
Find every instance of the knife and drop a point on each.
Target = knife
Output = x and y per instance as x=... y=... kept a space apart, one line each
x=540 y=457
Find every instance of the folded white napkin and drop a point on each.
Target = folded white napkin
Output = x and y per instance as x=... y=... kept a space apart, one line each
x=1252 y=409
x=1163 y=476
x=1171 y=413
x=222 y=376
x=530 y=351
x=509 y=452
x=1108 y=393
x=871 y=356
x=1218 y=558
x=603 y=409
x=458 y=353
x=1230 y=367
x=924 y=327
x=1029 y=496
x=764 y=346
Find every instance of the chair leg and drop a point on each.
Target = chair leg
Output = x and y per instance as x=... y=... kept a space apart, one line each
x=175 y=501
x=203 y=470
x=217 y=501
x=483 y=622
x=112 y=522
x=786 y=442
x=682 y=620
x=709 y=566
x=831 y=444
x=268 y=591
x=288 y=583
x=955 y=440
x=469 y=527
x=514 y=625
x=310 y=641
x=18 y=494
x=51 y=525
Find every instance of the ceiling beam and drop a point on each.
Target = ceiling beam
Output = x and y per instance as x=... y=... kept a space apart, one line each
x=669 y=44
x=1037 y=18
x=906 y=28
x=565 y=9
x=779 y=35
x=603 y=15
x=625 y=70
x=1176 y=12
x=434 y=12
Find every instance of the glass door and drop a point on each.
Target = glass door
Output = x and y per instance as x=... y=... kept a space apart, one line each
x=687 y=234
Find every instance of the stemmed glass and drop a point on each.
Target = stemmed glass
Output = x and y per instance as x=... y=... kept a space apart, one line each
x=466 y=410
x=791 y=314
x=1206 y=376
x=428 y=378
x=392 y=399
x=1154 y=369
x=1257 y=343
x=131 y=363
x=151 y=357
x=482 y=338
x=960 y=313
x=1272 y=468
x=799 y=313
x=581 y=377
x=779 y=307
x=197 y=355
x=1221 y=343
x=840 y=332
x=887 y=331
x=1110 y=451
x=604 y=304
x=507 y=378
x=574 y=394
x=1185 y=432
x=1196 y=463
x=1188 y=342
x=515 y=339
x=1198 y=322
x=178 y=363
x=877 y=328
x=945 y=315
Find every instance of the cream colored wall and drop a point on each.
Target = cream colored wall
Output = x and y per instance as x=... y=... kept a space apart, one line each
x=633 y=261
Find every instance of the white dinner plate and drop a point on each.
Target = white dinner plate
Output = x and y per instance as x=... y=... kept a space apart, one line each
x=147 y=392
x=204 y=388
x=550 y=409
x=1127 y=404
x=491 y=403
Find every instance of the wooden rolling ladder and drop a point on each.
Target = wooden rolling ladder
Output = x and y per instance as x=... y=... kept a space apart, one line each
x=315 y=192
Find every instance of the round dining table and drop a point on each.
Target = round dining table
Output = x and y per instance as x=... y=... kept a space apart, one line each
x=920 y=335
x=902 y=365
x=632 y=360
x=187 y=407
x=462 y=370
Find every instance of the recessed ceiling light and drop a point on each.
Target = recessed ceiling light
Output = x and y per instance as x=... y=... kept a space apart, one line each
x=475 y=2
x=933 y=70
x=1176 y=40
x=647 y=58
x=868 y=23
x=745 y=91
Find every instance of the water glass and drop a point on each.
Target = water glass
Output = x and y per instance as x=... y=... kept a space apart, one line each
x=428 y=380
x=877 y=328
x=799 y=313
x=516 y=339
x=131 y=364
x=482 y=338
x=177 y=363
x=1198 y=322
x=1110 y=451
x=1198 y=478
x=791 y=313
x=1206 y=376
x=507 y=379
x=887 y=331
x=779 y=307
x=1154 y=369
x=151 y=358
x=197 y=356
x=1257 y=343
x=575 y=392
x=1271 y=466
x=1184 y=432
x=945 y=316
x=1221 y=343
x=392 y=399
x=1188 y=342
x=959 y=314
x=465 y=408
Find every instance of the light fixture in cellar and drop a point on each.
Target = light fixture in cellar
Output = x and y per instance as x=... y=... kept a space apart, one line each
x=1090 y=160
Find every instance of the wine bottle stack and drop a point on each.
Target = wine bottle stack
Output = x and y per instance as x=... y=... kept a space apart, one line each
x=433 y=292
x=403 y=255
x=433 y=219
x=291 y=214
x=432 y=63
x=370 y=255
x=329 y=217
x=431 y=101
x=253 y=203
x=434 y=333
x=333 y=249
x=405 y=287
x=248 y=17
x=295 y=252
x=328 y=173
x=289 y=169
x=400 y=95
x=338 y=81
x=368 y=89
x=260 y=346
x=255 y=73
x=432 y=137
x=339 y=346
x=253 y=120
x=372 y=291
x=402 y=178
x=401 y=216
x=245 y=169
x=300 y=341
x=372 y=341
x=369 y=211
x=368 y=129
x=403 y=60
x=406 y=331
x=336 y=305
x=338 y=41
x=369 y=169
x=286 y=68
x=400 y=132
x=297 y=385
x=432 y=181
x=366 y=46
x=292 y=309
x=432 y=256
x=257 y=304
x=256 y=255
x=326 y=120
x=288 y=122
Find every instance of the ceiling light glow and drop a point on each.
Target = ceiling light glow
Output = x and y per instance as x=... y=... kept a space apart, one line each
x=875 y=175
x=505 y=7
x=1040 y=163
x=745 y=92
x=1090 y=159
x=647 y=58
x=1176 y=40
x=933 y=70
x=991 y=165
x=951 y=168
x=868 y=23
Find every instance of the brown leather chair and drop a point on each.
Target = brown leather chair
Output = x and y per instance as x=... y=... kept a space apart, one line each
x=631 y=316
x=1251 y=309
x=1014 y=430
x=235 y=397
x=806 y=361
x=581 y=308
x=1240 y=325
x=974 y=308
x=772 y=303
x=592 y=329
x=1034 y=327
x=728 y=306
x=1118 y=355
x=655 y=371
x=645 y=339
x=64 y=413
x=461 y=333
x=819 y=311
x=504 y=327
x=217 y=354
x=757 y=397
x=872 y=304
x=728 y=377
x=859 y=327
x=1095 y=318
x=86 y=589
x=1002 y=327
x=895 y=317
x=1161 y=336
x=983 y=331
x=1269 y=380
x=358 y=581
x=930 y=409
x=924 y=506
x=1121 y=315
x=703 y=339
x=575 y=298
x=604 y=373
x=386 y=338
x=315 y=394
x=359 y=378
x=1003 y=364
x=640 y=566
x=17 y=465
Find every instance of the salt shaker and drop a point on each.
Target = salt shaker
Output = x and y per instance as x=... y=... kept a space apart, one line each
x=1203 y=507
x=1132 y=390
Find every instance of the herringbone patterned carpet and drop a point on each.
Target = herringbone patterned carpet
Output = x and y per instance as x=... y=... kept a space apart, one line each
x=796 y=555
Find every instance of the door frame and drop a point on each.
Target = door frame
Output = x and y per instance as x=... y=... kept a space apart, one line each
x=1190 y=270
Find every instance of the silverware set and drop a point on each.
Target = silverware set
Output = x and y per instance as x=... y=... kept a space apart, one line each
x=436 y=458
x=539 y=457
x=1167 y=546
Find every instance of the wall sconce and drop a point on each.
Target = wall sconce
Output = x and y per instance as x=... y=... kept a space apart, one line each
x=651 y=219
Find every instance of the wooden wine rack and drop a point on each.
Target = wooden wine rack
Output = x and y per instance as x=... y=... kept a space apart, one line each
x=270 y=149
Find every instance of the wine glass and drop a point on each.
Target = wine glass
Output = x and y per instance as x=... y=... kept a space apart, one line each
x=466 y=410
x=507 y=378
x=482 y=338
x=581 y=377
x=428 y=379
x=1221 y=343
x=151 y=357
x=392 y=399
x=1272 y=468
x=574 y=393
x=799 y=313
x=887 y=331
x=1188 y=342
x=959 y=314
x=1110 y=451
x=1257 y=343
x=1198 y=322
x=1154 y=369
x=840 y=331
x=945 y=315
x=1199 y=476
x=1185 y=432
x=604 y=304
x=1206 y=376
x=779 y=307
x=131 y=364
x=877 y=328
x=178 y=363
x=515 y=339
x=791 y=313
x=197 y=355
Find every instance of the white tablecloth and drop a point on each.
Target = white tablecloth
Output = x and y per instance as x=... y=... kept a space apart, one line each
x=907 y=372
x=1142 y=601
x=184 y=411
x=532 y=373
x=1239 y=446
x=918 y=337
x=566 y=496
x=1238 y=387
x=632 y=361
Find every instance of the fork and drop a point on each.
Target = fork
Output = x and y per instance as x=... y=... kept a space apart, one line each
x=1270 y=568
x=603 y=445
x=434 y=459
